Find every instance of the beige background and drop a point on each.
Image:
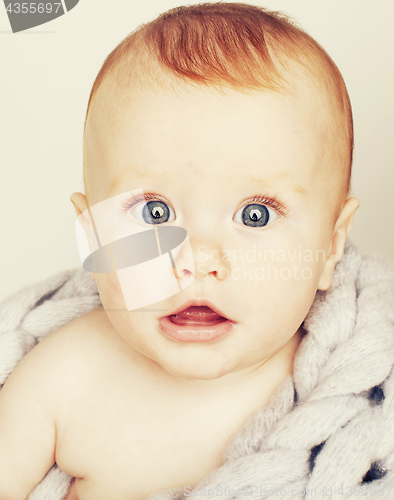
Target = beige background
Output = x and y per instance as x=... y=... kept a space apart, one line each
x=46 y=77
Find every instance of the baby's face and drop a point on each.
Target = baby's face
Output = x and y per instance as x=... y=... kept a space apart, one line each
x=249 y=179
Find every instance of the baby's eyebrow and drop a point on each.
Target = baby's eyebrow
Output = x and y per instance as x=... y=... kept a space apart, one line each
x=118 y=179
x=277 y=182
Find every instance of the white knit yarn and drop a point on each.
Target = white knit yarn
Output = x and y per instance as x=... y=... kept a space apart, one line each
x=347 y=351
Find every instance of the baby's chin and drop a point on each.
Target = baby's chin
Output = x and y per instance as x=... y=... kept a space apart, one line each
x=193 y=371
x=202 y=364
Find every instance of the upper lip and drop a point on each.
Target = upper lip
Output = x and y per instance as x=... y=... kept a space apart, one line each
x=200 y=302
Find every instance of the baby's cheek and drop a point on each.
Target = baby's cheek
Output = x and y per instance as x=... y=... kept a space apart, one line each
x=281 y=271
x=290 y=284
x=110 y=291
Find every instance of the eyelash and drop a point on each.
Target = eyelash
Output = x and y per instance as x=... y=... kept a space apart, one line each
x=132 y=202
x=260 y=198
x=267 y=200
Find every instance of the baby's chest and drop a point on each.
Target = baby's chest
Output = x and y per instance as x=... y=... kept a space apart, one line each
x=129 y=450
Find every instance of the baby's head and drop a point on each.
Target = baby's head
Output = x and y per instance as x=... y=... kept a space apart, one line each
x=238 y=124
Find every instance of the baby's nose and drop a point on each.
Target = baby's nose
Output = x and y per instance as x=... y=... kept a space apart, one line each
x=208 y=260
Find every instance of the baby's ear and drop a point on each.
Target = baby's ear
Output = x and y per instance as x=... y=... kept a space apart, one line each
x=80 y=203
x=338 y=240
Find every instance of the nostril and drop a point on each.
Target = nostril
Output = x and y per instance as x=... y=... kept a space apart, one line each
x=181 y=274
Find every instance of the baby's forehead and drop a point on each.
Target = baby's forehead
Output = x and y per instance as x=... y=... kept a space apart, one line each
x=114 y=112
x=112 y=108
x=110 y=119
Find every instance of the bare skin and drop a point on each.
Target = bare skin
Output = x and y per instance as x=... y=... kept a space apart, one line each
x=132 y=433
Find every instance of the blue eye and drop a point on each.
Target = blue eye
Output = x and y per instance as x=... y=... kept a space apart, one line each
x=255 y=215
x=153 y=212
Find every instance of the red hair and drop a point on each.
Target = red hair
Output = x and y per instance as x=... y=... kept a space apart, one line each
x=235 y=45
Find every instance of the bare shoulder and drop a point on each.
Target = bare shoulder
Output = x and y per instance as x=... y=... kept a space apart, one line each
x=81 y=329
x=90 y=331
x=69 y=359
x=55 y=352
x=78 y=346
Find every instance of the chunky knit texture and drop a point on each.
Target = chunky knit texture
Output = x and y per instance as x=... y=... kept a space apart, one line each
x=330 y=425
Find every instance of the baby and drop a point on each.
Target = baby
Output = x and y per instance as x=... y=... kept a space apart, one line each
x=235 y=125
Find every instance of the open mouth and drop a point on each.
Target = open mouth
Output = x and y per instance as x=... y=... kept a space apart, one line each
x=197 y=315
x=195 y=324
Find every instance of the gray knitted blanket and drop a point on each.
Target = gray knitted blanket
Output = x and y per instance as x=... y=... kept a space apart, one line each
x=330 y=426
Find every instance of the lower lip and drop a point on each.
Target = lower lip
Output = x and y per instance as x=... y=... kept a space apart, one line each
x=195 y=332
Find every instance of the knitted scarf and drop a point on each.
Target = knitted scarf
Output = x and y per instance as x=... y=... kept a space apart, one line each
x=329 y=428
